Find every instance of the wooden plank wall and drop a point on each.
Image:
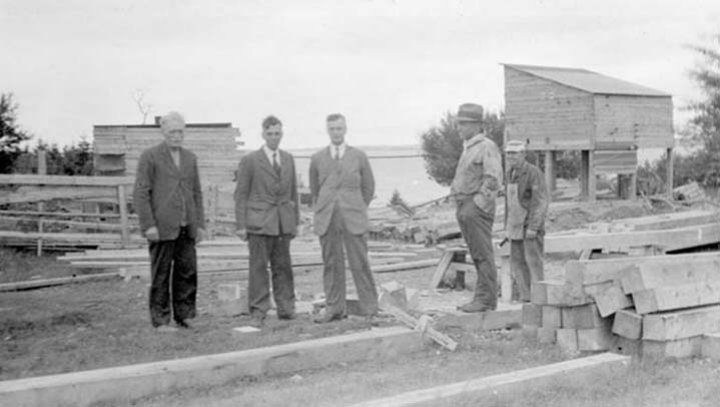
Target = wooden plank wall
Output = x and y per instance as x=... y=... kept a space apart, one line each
x=615 y=162
x=215 y=148
x=550 y=115
x=645 y=121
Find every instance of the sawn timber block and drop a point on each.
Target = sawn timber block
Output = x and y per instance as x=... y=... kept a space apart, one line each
x=551 y=317
x=681 y=348
x=595 y=339
x=676 y=297
x=628 y=324
x=611 y=300
x=567 y=339
x=582 y=317
x=711 y=346
x=697 y=268
x=531 y=314
x=558 y=293
x=668 y=326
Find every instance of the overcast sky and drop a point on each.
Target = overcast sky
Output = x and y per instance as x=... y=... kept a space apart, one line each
x=392 y=67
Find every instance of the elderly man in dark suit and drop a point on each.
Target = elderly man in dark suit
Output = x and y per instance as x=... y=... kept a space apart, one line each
x=342 y=186
x=168 y=201
x=267 y=213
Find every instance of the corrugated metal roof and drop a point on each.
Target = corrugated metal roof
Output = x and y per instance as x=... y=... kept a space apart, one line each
x=588 y=81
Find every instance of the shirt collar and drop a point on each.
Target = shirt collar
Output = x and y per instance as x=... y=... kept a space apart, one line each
x=476 y=139
x=342 y=148
x=270 y=152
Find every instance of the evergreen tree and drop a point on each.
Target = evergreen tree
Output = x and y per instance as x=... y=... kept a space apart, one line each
x=10 y=133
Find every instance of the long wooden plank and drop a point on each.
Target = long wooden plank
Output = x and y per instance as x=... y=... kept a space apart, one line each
x=64 y=180
x=404 y=266
x=35 y=194
x=86 y=238
x=522 y=380
x=50 y=282
x=589 y=272
x=696 y=269
x=676 y=297
x=122 y=384
x=681 y=324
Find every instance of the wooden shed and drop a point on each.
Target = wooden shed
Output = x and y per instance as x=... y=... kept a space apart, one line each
x=117 y=149
x=607 y=119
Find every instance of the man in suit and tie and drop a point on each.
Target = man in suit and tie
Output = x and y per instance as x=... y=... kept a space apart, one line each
x=267 y=213
x=168 y=201
x=342 y=186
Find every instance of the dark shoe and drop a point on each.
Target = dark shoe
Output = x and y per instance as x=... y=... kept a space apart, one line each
x=287 y=317
x=181 y=323
x=474 y=307
x=326 y=318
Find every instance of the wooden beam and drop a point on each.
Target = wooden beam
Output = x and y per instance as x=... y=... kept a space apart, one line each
x=40 y=193
x=65 y=214
x=124 y=222
x=670 y=171
x=592 y=180
x=64 y=180
x=676 y=297
x=682 y=324
x=575 y=370
x=51 y=282
x=628 y=324
x=404 y=266
x=122 y=384
x=694 y=268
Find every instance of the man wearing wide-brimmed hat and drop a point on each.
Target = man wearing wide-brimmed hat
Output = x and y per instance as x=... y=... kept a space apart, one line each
x=526 y=204
x=475 y=186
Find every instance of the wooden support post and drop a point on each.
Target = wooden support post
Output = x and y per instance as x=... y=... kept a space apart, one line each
x=42 y=170
x=633 y=186
x=670 y=171
x=550 y=170
x=584 y=174
x=122 y=204
x=592 y=189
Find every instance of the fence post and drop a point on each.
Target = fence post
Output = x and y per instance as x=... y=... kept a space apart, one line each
x=125 y=225
x=42 y=170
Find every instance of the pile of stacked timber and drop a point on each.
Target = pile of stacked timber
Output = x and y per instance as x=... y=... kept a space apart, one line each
x=656 y=306
x=232 y=255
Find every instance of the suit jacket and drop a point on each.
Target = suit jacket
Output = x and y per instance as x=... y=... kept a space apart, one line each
x=347 y=183
x=263 y=200
x=160 y=187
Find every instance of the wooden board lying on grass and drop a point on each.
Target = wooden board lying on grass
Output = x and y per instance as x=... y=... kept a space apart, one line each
x=119 y=385
x=605 y=364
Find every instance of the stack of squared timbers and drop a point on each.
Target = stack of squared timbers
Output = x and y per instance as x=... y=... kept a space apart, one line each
x=647 y=303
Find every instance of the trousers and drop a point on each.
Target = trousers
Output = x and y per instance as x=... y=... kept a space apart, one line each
x=476 y=227
x=526 y=264
x=335 y=242
x=275 y=250
x=173 y=288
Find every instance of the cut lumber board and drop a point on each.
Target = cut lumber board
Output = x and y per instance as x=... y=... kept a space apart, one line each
x=122 y=384
x=668 y=326
x=404 y=266
x=628 y=324
x=443 y=265
x=711 y=346
x=546 y=335
x=51 y=282
x=558 y=293
x=531 y=315
x=567 y=339
x=611 y=300
x=699 y=268
x=596 y=339
x=602 y=270
x=676 y=297
x=483 y=321
x=582 y=317
x=672 y=220
x=419 y=324
x=64 y=180
x=681 y=348
x=576 y=370
x=551 y=317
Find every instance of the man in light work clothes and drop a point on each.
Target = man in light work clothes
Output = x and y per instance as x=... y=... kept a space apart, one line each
x=526 y=204
x=477 y=180
x=342 y=186
x=267 y=214
x=168 y=201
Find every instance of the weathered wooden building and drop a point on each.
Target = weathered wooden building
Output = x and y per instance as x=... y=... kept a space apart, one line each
x=608 y=119
x=117 y=149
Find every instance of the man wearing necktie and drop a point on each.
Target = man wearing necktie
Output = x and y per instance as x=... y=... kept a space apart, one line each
x=267 y=213
x=342 y=186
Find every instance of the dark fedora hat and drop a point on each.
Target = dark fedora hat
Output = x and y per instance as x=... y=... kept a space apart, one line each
x=470 y=112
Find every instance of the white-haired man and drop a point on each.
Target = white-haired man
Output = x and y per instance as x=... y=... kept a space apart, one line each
x=168 y=201
x=526 y=204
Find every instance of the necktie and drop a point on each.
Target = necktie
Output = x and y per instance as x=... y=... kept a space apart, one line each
x=276 y=166
x=337 y=153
